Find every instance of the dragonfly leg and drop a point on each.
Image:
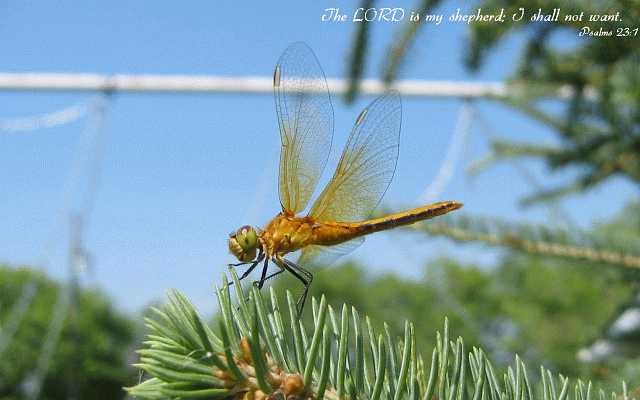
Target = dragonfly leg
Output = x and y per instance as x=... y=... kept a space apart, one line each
x=261 y=282
x=264 y=273
x=298 y=268
x=264 y=278
x=298 y=272
x=248 y=271
x=238 y=264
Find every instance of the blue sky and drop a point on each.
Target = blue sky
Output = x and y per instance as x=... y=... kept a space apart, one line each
x=181 y=171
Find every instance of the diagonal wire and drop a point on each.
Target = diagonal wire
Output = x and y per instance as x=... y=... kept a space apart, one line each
x=457 y=143
x=263 y=188
x=95 y=157
x=556 y=210
x=93 y=139
x=434 y=190
x=96 y=126
x=17 y=313
x=33 y=384
x=63 y=116
x=30 y=289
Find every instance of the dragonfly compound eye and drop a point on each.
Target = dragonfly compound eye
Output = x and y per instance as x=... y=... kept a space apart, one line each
x=243 y=244
x=247 y=238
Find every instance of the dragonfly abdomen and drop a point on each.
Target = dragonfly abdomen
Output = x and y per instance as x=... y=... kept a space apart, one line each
x=331 y=233
x=408 y=217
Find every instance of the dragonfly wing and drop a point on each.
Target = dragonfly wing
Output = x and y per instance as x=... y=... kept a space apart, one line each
x=327 y=255
x=366 y=166
x=305 y=119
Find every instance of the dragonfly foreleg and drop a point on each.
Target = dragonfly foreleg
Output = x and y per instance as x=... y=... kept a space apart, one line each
x=251 y=268
x=261 y=282
x=239 y=264
x=298 y=272
x=264 y=273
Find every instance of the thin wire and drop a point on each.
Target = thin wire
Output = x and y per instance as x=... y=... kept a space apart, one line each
x=488 y=340
x=434 y=190
x=558 y=213
x=29 y=290
x=17 y=313
x=53 y=119
x=265 y=184
x=33 y=384
x=457 y=143
x=96 y=160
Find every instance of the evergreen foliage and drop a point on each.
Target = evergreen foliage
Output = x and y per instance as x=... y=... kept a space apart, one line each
x=97 y=344
x=610 y=248
x=598 y=117
x=257 y=355
x=544 y=309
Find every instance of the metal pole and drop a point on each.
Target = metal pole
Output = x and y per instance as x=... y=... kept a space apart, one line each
x=75 y=265
x=240 y=85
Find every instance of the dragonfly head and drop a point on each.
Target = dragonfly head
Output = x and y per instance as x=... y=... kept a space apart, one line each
x=243 y=243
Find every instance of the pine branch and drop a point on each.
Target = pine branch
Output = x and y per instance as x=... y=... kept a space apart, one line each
x=596 y=117
x=358 y=55
x=255 y=356
x=400 y=46
x=526 y=104
x=502 y=149
x=582 y=183
x=612 y=250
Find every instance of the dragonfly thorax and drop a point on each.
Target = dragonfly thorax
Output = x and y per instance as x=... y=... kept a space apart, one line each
x=243 y=243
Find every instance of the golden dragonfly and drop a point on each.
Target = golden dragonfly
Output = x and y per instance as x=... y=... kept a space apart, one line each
x=340 y=217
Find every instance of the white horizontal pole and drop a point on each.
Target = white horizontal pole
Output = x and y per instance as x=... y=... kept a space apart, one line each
x=241 y=85
x=219 y=84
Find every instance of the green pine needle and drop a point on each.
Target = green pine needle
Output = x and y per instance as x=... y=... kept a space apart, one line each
x=251 y=356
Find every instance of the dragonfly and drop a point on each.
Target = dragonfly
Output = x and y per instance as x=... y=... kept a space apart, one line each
x=340 y=217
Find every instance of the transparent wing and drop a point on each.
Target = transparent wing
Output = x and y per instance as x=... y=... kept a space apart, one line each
x=327 y=255
x=366 y=166
x=305 y=118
